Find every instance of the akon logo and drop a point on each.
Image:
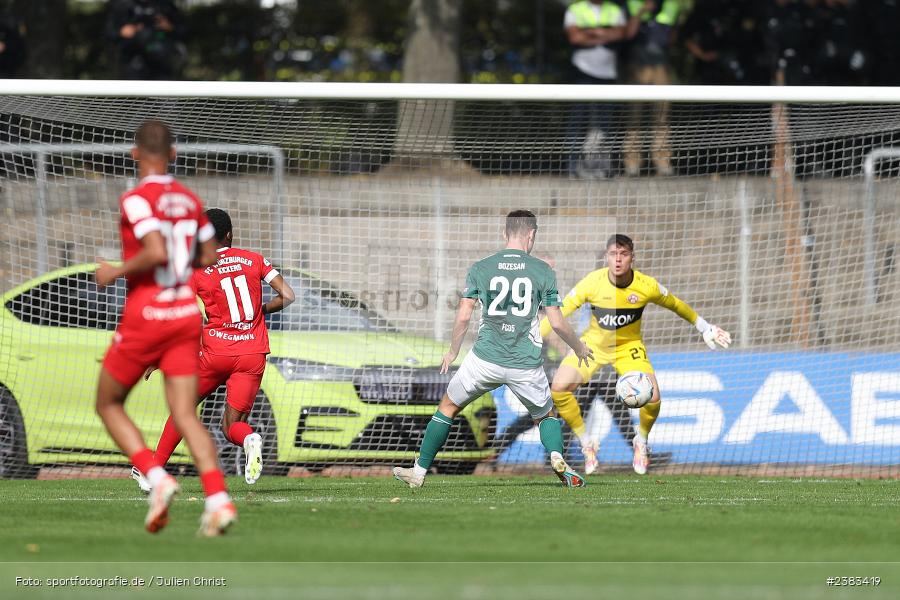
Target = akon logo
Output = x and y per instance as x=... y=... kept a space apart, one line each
x=612 y=319
x=615 y=321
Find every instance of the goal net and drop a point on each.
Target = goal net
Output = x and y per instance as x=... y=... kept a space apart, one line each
x=776 y=221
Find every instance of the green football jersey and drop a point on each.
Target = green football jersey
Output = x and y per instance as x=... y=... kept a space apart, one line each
x=512 y=285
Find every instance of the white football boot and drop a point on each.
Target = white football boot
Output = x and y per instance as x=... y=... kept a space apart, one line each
x=253 y=454
x=161 y=496
x=142 y=481
x=566 y=474
x=214 y=523
x=641 y=460
x=409 y=477
x=590 y=458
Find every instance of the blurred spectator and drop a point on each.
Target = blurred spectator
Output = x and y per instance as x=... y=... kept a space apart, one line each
x=12 y=48
x=879 y=38
x=838 y=60
x=791 y=36
x=650 y=26
x=148 y=35
x=594 y=28
x=723 y=38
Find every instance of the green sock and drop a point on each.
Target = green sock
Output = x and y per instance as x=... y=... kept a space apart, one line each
x=435 y=436
x=551 y=435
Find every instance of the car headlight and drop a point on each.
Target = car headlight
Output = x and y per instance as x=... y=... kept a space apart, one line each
x=301 y=370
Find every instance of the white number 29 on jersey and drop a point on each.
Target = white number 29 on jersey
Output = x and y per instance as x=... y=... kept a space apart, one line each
x=521 y=296
x=179 y=238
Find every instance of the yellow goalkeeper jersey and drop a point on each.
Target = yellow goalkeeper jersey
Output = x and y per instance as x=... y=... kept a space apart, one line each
x=616 y=311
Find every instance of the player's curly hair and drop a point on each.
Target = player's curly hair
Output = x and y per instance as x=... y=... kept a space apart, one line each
x=221 y=221
x=520 y=222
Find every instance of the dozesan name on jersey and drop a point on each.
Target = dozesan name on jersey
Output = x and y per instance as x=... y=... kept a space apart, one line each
x=508 y=266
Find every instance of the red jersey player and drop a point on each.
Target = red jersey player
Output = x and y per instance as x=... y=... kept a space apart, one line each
x=235 y=341
x=162 y=226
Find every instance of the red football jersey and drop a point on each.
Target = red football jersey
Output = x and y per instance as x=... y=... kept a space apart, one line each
x=231 y=291
x=162 y=204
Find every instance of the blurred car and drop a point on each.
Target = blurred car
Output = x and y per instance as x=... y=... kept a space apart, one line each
x=342 y=385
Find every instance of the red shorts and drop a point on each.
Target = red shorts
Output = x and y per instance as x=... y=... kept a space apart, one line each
x=241 y=375
x=173 y=346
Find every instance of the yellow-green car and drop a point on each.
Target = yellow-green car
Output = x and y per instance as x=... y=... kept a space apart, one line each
x=341 y=387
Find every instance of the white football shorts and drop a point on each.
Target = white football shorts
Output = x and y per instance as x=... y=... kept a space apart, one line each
x=476 y=376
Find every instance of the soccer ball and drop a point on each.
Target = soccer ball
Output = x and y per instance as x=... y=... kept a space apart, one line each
x=634 y=389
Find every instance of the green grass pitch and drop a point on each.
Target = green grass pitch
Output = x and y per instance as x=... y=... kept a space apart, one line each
x=466 y=537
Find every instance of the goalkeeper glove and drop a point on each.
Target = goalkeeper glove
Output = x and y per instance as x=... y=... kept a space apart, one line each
x=712 y=335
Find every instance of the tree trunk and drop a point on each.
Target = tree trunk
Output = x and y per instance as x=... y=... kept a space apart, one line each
x=432 y=48
x=425 y=128
x=788 y=200
x=45 y=37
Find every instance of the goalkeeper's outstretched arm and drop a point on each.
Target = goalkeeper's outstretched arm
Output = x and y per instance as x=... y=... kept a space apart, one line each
x=713 y=335
x=564 y=330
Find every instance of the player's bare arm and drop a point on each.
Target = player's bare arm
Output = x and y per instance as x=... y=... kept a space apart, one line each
x=460 y=326
x=206 y=254
x=568 y=335
x=151 y=256
x=284 y=298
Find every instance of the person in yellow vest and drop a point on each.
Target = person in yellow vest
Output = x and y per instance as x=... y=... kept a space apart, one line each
x=617 y=295
x=649 y=29
x=594 y=28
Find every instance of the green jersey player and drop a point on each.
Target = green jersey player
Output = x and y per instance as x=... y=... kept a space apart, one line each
x=511 y=286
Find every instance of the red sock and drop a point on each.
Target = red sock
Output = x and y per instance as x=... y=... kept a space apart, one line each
x=143 y=460
x=168 y=441
x=238 y=431
x=213 y=482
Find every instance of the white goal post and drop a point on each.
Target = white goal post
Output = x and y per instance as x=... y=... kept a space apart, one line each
x=772 y=211
x=449 y=91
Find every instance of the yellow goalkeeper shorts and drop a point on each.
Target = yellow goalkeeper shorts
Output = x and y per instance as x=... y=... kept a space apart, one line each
x=631 y=356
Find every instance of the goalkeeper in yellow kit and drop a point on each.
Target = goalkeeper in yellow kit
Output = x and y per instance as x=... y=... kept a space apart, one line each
x=617 y=295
